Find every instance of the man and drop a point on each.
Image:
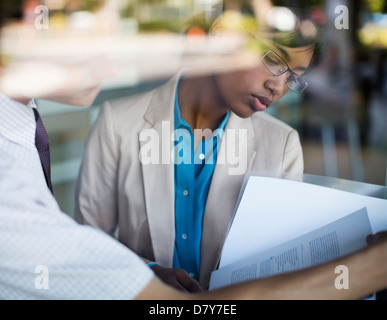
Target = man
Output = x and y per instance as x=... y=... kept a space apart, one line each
x=44 y=254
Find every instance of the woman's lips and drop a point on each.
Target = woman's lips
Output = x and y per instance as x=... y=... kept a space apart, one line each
x=261 y=103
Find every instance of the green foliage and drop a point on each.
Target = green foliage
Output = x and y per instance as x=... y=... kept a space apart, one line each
x=92 y=5
x=376 y=5
x=160 y=26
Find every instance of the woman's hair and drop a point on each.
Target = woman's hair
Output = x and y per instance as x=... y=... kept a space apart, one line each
x=249 y=26
x=296 y=39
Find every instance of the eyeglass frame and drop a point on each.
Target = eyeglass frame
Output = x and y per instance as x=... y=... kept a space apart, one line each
x=283 y=72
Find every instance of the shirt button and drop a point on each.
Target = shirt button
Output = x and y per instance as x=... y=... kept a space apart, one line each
x=201 y=156
x=184 y=236
x=185 y=192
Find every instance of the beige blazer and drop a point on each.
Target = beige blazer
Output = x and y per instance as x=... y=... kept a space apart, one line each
x=115 y=188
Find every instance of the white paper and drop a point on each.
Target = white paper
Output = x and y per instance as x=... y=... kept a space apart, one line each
x=273 y=211
x=316 y=247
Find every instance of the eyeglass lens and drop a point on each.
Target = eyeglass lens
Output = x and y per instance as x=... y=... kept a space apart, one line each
x=277 y=66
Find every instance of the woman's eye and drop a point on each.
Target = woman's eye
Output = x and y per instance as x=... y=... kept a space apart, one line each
x=272 y=61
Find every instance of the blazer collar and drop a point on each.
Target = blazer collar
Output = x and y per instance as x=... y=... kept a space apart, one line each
x=161 y=107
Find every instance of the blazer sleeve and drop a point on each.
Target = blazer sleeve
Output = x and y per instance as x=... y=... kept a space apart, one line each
x=96 y=190
x=293 y=160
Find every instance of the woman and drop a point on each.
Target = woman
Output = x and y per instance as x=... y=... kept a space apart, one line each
x=175 y=212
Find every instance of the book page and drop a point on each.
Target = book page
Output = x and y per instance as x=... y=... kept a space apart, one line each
x=329 y=242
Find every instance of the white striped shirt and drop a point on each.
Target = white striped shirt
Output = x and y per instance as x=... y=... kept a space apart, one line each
x=44 y=253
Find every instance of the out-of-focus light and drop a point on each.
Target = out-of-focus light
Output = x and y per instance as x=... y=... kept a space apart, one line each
x=308 y=29
x=196 y=31
x=318 y=16
x=82 y=20
x=281 y=18
x=373 y=35
x=55 y=4
x=196 y=36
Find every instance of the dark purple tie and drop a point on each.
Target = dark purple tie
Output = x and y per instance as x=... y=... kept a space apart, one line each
x=42 y=144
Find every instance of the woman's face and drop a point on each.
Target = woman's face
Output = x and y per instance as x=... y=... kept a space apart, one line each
x=248 y=91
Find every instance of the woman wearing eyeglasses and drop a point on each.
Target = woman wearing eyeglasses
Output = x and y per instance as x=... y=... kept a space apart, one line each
x=176 y=214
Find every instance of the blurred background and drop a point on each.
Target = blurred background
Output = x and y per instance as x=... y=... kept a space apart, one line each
x=341 y=117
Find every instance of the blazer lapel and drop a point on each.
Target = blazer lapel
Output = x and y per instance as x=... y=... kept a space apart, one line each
x=158 y=177
x=224 y=191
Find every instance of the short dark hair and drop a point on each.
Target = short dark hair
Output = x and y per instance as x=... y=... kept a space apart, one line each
x=248 y=25
x=295 y=39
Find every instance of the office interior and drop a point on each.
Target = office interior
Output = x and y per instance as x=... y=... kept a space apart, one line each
x=341 y=117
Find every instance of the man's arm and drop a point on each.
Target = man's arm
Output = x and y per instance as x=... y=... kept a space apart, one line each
x=367 y=274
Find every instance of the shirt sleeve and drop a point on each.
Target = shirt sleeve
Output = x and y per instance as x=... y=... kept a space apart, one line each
x=45 y=254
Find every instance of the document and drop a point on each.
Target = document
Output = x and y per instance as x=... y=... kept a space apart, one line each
x=273 y=211
x=343 y=236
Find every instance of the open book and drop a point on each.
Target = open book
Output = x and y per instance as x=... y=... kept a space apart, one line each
x=282 y=225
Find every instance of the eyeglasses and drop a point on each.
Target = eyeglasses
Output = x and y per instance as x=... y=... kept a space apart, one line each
x=277 y=66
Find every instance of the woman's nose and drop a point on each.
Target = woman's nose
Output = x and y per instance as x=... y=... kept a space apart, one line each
x=277 y=84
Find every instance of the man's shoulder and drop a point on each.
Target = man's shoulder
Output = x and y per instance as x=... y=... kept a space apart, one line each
x=19 y=178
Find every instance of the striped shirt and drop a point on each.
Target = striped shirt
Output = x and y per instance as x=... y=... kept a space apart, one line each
x=44 y=253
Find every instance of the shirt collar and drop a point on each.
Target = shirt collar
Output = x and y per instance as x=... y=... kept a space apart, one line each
x=179 y=121
x=222 y=125
x=17 y=121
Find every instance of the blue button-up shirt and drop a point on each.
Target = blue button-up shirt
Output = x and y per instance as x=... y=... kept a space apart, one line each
x=193 y=174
